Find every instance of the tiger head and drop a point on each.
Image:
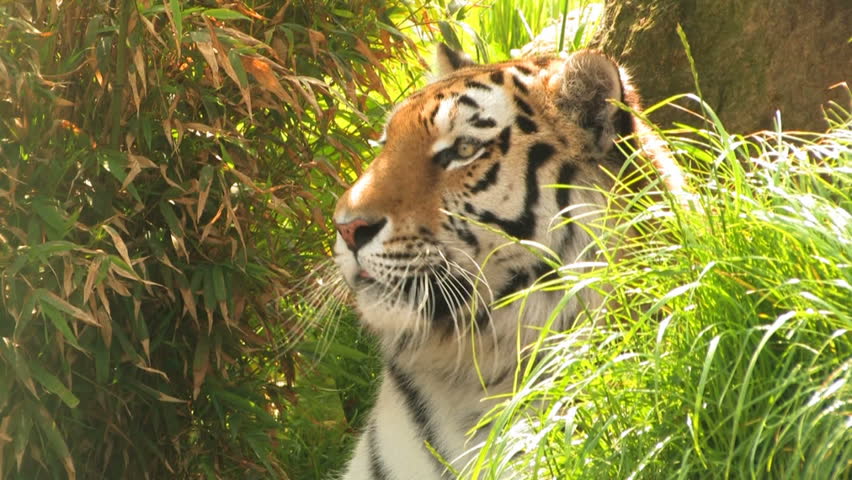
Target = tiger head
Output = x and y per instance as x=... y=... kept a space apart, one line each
x=432 y=233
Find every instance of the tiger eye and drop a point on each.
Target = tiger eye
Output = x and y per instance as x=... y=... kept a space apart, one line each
x=466 y=149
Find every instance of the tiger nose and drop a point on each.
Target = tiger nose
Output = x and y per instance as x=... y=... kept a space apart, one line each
x=359 y=232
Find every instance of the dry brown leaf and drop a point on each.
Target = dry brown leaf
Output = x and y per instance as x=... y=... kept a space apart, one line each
x=209 y=54
x=172 y=183
x=88 y=287
x=209 y=320
x=168 y=398
x=106 y=326
x=103 y=297
x=226 y=195
x=315 y=38
x=279 y=15
x=189 y=303
x=62 y=102
x=137 y=100
x=139 y=61
x=74 y=311
x=67 y=277
x=173 y=24
x=119 y=245
x=151 y=29
x=209 y=226
x=200 y=127
x=167 y=262
x=137 y=163
x=262 y=72
x=161 y=373
x=308 y=95
x=365 y=50
x=223 y=307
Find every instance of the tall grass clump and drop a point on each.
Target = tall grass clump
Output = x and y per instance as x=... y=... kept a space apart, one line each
x=498 y=29
x=726 y=351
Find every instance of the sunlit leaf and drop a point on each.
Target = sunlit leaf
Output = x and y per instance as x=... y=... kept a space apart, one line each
x=224 y=14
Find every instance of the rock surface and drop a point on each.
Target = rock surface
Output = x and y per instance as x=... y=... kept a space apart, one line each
x=753 y=57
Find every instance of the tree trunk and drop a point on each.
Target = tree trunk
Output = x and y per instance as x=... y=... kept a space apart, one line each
x=753 y=57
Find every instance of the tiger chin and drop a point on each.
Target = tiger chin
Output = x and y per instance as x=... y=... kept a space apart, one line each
x=422 y=239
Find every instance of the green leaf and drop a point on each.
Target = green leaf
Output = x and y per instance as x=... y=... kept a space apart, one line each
x=47 y=249
x=51 y=215
x=102 y=368
x=171 y=218
x=342 y=13
x=236 y=62
x=19 y=365
x=224 y=14
x=219 y=289
x=200 y=364
x=53 y=384
x=16 y=266
x=23 y=427
x=60 y=322
x=54 y=439
x=209 y=290
x=449 y=35
x=25 y=316
x=174 y=6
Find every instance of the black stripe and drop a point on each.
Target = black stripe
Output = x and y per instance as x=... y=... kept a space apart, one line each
x=505 y=135
x=485 y=123
x=377 y=465
x=469 y=238
x=519 y=280
x=523 y=69
x=419 y=410
x=526 y=124
x=542 y=61
x=466 y=100
x=523 y=105
x=523 y=226
x=497 y=77
x=563 y=195
x=477 y=85
x=434 y=113
x=520 y=85
x=488 y=180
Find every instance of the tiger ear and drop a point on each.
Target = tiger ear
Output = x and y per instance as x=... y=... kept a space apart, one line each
x=588 y=84
x=448 y=60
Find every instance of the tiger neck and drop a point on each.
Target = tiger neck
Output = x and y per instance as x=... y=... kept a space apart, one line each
x=481 y=358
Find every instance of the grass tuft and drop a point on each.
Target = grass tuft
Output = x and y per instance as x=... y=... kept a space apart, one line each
x=725 y=352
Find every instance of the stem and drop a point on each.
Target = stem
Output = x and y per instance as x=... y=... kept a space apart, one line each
x=120 y=78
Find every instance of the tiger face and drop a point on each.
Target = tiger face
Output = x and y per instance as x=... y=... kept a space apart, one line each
x=433 y=231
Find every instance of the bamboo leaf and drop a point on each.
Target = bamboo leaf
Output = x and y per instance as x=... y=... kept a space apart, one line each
x=119 y=244
x=53 y=384
x=62 y=305
x=205 y=181
x=209 y=54
x=58 y=320
x=200 y=364
x=55 y=441
x=224 y=14
x=176 y=16
x=23 y=428
x=51 y=215
x=219 y=289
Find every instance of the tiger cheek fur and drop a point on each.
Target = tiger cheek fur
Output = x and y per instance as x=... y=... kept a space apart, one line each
x=423 y=240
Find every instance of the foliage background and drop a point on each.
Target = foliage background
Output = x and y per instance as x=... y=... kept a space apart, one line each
x=166 y=168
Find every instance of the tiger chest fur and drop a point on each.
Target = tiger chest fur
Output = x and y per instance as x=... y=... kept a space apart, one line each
x=423 y=241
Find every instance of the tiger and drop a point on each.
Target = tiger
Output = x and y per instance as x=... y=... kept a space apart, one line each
x=438 y=228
